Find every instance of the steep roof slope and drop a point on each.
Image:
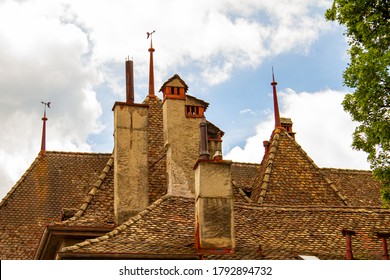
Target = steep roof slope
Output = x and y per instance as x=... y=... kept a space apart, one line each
x=359 y=186
x=55 y=180
x=286 y=232
x=288 y=176
x=97 y=208
x=166 y=230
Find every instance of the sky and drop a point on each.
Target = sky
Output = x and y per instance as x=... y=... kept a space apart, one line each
x=72 y=54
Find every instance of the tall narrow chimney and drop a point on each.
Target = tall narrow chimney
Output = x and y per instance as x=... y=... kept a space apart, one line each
x=348 y=243
x=204 y=151
x=276 y=105
x=383 y=236
x=129 y=82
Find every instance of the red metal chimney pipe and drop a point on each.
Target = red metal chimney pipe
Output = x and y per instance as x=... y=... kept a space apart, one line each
x=266 y=147
x=348 y=239
x=383 y=236
x=385 y=255
x=129 y=82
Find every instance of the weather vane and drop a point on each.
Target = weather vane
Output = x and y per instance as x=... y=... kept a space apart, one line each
x=149 y=34
x=47 y=104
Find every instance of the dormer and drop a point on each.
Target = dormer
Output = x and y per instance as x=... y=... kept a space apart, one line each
x=194 y=107
x=287 y=124
x=174 y=88
x=214 y=140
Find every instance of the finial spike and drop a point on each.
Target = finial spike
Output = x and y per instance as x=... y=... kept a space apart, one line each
x=44 y=119
x=273 y=76
x=151 y=67
x=276 y=105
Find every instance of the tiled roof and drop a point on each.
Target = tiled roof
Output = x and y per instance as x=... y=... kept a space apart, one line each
x=212 y=129
x=97 y=208
x=288 y=176
x=197 y=100
x=358 y=186
x=55 y=180
x=166 y=227
x=156 y=149
x=176 y=76
x=285 y=232
x=244 y=174
x=261 y=232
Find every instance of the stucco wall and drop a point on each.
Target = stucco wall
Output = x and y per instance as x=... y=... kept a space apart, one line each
x=130 y=160
x=181 y=136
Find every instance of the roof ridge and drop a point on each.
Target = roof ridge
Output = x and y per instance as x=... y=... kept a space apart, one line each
x=246 y=163
x=117 y=229
x=327 y=180
x=22 y=178
x=301 y=208
x=346 y=170
x=268 y=165
x=75 y=153
x=92 y=192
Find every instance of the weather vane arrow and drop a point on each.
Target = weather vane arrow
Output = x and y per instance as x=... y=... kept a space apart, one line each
x=149 y=34
x=46 y=104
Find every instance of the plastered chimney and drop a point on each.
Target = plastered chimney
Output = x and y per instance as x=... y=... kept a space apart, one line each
x=214 y=216
x=131 y=193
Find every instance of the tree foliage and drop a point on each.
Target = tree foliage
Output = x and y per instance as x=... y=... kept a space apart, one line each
x=367 y=25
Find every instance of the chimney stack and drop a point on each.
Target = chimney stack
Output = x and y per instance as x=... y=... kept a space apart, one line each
x=129 y=82
x=131 y=191
x=266 y=147
x=214 y=216
x=348 y=243
x=204 y=151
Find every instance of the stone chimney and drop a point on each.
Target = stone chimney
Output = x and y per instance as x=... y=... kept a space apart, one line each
x=214 y=216
x=131 y=193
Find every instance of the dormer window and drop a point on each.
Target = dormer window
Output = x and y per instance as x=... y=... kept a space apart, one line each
x=194 y=111
x=174 y=88
x=287 y=124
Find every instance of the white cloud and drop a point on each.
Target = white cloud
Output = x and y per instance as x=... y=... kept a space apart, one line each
x=324 y=130
x=60 y=51
x=43 y=59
